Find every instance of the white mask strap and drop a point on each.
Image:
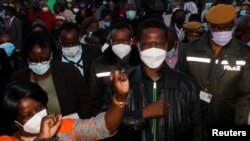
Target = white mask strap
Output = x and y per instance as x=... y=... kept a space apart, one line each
x=18 y=123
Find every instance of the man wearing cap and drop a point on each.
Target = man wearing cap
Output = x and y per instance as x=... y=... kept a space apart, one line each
x=219 y=65
x=193 y=31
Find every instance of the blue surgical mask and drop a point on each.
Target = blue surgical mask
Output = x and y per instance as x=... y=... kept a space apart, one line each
x=8 y=48
x=106 y=24
x=40 y=68
x=243 y=12
x=248 y=44
x=131 y=14
x=82 y=5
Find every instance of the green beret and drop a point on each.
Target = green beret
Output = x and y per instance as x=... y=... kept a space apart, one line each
x=221 y=14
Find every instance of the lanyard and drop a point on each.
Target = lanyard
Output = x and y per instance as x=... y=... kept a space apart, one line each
x=75 y=63
x=153 y=126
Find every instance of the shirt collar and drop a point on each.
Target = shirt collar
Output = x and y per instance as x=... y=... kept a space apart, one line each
x=11 y=19
x=177 y=29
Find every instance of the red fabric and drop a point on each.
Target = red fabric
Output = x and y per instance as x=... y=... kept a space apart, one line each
x=122 y=12
x=58 y=20
x=8 y=138
x=47 y=17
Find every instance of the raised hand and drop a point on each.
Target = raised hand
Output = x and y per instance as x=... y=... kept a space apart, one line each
x=120 y=85
x=49 y=126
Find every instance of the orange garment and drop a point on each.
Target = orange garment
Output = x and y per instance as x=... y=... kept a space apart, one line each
x=8 y=138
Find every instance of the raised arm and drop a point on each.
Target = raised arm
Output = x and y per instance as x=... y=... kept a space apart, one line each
x=115 y=112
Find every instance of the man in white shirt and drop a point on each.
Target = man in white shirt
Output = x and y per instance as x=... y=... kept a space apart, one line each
x=190 y=7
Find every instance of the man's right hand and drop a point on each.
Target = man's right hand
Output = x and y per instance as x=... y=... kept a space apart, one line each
x=154 y=110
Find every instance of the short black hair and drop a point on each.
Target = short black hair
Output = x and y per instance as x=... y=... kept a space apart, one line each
x=102 y=35
x=34 y=25
x=41 y=38
x=58 y=4
x=105 y=12
x=11 y=9
x=150 y=23
x=174 y=16
x=13 y=93
x=122 y=25
x=69 y=26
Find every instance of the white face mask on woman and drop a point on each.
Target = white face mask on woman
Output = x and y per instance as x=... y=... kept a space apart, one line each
x=153 y=57
x=222 y=38
x=121 y=50
x=70 y=51
x=34 y=123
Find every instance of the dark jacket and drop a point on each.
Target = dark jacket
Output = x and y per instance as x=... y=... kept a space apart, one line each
x=226 y=77
x=71 y=88
x=15 y=32
x=106 y=63
x=7 y=66
x=5 y=69
x=183 y=120
x=89 y=53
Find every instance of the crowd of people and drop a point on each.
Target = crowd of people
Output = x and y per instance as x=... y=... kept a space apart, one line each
x=123 y=70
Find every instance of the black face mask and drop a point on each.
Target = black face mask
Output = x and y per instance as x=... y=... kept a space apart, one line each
x=179 y=21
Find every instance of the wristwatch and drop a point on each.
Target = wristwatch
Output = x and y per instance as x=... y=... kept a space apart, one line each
x=120 y=104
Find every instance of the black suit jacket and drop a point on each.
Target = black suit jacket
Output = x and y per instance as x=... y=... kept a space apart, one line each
x=71 y=88
x=89 y=53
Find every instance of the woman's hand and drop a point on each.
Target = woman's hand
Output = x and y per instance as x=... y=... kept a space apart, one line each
x=49 y=126
x=120 y=85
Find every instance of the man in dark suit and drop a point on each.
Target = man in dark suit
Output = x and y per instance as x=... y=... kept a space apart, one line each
x=13 y=27
x=71 y=51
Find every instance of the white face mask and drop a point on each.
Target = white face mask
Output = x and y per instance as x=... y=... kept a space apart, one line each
x=121 y=50
x=45 y=9
x=248 y=44
x=34 y=123
x=70 y=51
x=76 y=10
x=39 y=68
x=222 y=38
x=153 y=57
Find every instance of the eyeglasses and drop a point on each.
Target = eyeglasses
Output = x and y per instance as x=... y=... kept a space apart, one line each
x=34 y=62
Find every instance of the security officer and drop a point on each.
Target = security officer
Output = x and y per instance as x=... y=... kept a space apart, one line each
x=193 y=31
x=219 y=65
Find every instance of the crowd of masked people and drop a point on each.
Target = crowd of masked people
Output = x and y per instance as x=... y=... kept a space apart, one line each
x=123 y=70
